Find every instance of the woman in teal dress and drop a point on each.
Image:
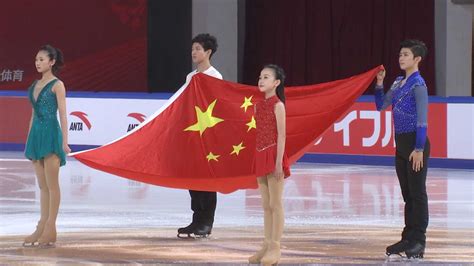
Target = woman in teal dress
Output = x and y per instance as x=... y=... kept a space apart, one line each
x=47 y=143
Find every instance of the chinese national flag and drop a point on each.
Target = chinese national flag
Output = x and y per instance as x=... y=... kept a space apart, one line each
x=203 y=138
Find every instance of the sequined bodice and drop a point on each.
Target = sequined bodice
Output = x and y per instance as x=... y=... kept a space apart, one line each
x=266 y=123
x=404 y=103
x=45 y=105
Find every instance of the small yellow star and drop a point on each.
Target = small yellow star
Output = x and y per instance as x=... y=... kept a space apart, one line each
x=237 y=148
x=251 y=124
x=205 y=119
x=247 y=103
x=211 y=156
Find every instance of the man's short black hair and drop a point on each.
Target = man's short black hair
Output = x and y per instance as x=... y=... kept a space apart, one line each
x=417 y=47
x=207 y=41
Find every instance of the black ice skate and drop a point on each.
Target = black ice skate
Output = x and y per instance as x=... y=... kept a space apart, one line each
x=397 y=248
x=202 y=231
x=187 y=232
x=415 y=251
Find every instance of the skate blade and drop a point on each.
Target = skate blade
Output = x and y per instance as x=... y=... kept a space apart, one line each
x=207 y=236
x=47 y=245
x=394 y=257
x=30 y=244
x=184 y=236
x=416 y=257
x=192 y=236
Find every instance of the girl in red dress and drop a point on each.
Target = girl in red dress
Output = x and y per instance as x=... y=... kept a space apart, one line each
x=271 y=162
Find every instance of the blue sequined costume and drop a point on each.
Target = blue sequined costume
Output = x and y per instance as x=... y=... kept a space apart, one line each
x=409 y=106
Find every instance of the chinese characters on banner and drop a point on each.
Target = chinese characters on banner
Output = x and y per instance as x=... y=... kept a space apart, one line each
x=8 y=75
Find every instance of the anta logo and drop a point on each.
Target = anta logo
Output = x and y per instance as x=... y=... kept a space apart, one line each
x=139 y=117
x=79 y=126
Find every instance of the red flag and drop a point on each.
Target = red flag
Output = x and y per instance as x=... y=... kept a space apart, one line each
x=204 y=137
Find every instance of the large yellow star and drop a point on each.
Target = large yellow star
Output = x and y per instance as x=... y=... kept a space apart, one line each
x=205 y=120
x=212 y=156
x=237 y=148
x=247 y=103
x=251 y=124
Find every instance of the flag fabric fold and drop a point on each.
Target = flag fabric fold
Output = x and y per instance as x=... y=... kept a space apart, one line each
x=204 y=136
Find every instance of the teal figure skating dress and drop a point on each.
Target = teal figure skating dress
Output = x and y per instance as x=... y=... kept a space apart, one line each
x=45 y=136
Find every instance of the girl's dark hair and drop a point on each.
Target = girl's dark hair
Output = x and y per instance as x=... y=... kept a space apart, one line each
x=279 y=74
x=54 y=54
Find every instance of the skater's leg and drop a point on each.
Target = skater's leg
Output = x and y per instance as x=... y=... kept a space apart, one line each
x=267 y=219
x=44 y=203
x=207 y=202
x=404 y=148
x=275 y=186
x=196 y=206
x=208 y=207
x=401 y=166
x=51 y=169
x=419 y=196
x=185 y=232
